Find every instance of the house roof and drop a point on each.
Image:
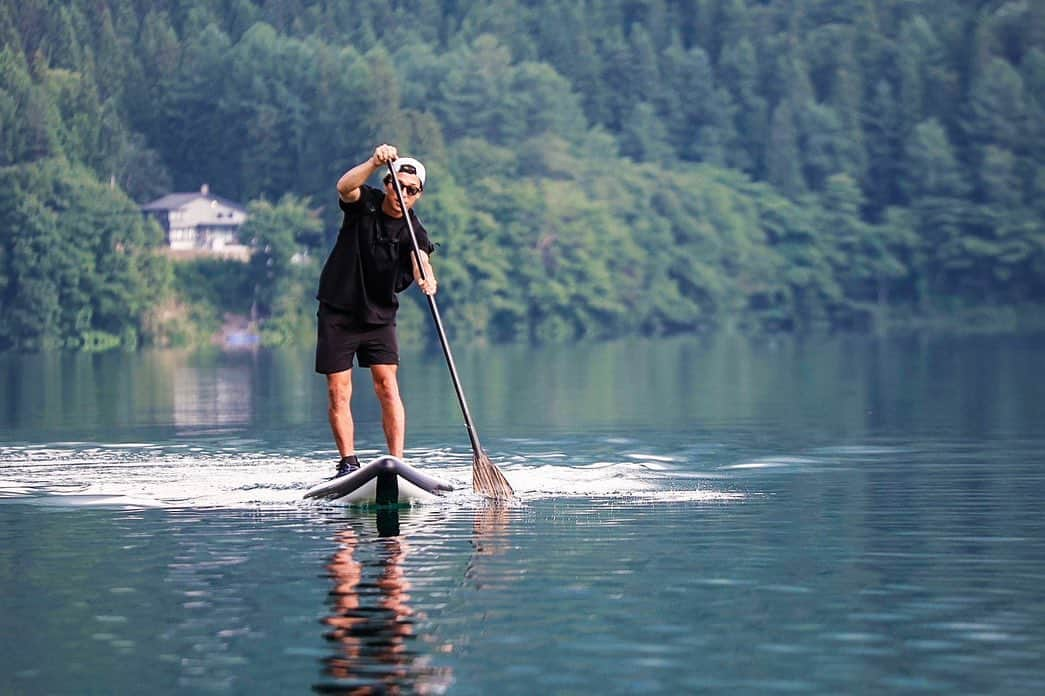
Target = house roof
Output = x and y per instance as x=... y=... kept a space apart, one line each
x=173 y=201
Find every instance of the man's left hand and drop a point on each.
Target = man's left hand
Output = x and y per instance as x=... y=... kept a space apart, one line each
x=428 y=283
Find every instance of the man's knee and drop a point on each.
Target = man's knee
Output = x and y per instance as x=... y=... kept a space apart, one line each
x=339 y=390
x=385 y=384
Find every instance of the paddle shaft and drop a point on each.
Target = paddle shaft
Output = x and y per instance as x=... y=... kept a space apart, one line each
x=472 y=434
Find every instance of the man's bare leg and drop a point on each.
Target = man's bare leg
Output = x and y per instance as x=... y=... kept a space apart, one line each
x=393 y=415
x=339 y=411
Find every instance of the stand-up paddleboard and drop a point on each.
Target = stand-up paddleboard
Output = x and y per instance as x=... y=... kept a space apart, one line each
x=387 y=480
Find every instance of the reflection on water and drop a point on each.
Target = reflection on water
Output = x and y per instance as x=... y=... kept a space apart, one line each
x=490 y=538
x=379 y=645
x=848 y=516
x=371 y=622
x=842 y=386
x=217 y=396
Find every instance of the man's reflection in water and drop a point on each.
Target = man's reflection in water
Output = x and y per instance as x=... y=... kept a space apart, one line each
x=371 y=620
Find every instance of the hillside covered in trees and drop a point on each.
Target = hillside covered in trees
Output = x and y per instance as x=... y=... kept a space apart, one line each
x=597 y=168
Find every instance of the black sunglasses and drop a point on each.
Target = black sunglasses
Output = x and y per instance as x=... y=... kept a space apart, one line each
x=408 y=189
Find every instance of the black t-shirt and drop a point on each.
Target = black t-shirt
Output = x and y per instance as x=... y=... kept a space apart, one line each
x=370 y=261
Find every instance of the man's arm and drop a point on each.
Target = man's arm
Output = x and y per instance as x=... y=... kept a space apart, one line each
x=351 y=181
x=428 y=285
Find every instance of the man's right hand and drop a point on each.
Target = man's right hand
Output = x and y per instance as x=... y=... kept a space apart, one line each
x=383 y=154
x=349 y=183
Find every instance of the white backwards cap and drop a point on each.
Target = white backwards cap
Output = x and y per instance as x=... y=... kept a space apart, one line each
x=410 y=166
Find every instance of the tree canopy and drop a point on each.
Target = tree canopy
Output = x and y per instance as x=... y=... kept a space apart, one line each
x=598 y=168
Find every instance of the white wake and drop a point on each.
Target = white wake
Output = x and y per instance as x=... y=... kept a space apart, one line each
x=142 y=475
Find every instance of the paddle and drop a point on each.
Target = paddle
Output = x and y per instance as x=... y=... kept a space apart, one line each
x=487 y=479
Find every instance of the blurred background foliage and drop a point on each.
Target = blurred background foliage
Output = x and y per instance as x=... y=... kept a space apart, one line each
x=597 y=168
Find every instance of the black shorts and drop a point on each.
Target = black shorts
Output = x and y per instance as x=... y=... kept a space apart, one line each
x=339 y=340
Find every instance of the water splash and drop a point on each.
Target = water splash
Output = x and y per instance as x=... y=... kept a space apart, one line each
x=194 y=475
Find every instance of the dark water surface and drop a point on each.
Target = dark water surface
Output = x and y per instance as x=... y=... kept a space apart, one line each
x=836 y=515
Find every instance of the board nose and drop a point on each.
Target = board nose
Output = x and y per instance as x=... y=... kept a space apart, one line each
x=388 y=463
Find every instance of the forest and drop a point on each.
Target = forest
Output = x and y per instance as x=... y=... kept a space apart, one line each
x=596 y=169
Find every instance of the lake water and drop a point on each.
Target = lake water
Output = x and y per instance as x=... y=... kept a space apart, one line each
x=830 y=515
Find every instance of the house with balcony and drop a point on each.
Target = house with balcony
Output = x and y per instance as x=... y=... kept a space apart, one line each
x=200 y=224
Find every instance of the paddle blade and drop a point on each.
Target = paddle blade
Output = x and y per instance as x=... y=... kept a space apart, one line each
x=488 y=480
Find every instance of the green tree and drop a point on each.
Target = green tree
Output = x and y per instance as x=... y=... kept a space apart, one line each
x=865 y=258
x=281 y=269
x=935 y=184
x=885 y=148
x=739 y=68
x=932 y=168
x=997 y=121
x=471 y=94
x=933 y=112
x=826 y=150
x=644 y=137
x=186 y=122
x=29 y=122
x=80 y=268
x=783 y=162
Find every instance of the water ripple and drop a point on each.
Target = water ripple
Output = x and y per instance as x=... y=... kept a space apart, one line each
x=148 y=475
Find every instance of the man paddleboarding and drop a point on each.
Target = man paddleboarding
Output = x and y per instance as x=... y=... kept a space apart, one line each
x=372 y=261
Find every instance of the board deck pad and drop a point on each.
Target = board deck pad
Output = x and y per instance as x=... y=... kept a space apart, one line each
x=386 y=480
